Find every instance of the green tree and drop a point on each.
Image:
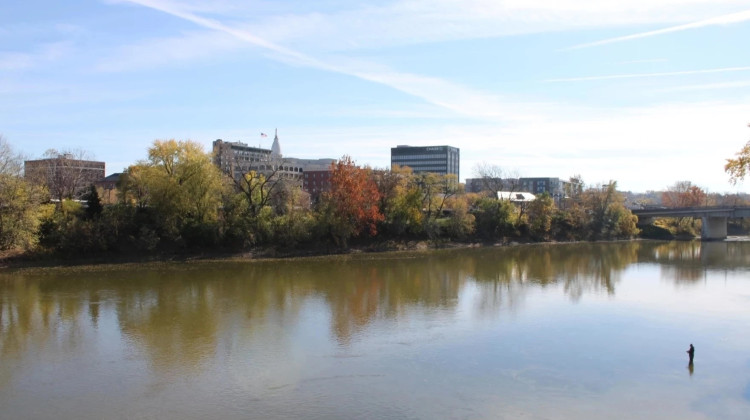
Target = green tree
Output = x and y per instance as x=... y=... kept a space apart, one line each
x=93 y=203
x=495 y=219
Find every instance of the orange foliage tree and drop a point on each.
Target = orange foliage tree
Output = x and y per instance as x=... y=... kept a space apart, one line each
x=684 y=194
x=350 y=206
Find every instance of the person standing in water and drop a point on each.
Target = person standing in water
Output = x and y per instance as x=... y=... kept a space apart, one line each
x=691 y=353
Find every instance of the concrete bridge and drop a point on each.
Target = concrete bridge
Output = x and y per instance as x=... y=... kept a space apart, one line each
x=714 y=218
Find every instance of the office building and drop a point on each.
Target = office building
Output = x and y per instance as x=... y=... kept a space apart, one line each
x=64 y=175
x=238 y=158
x=443 y=160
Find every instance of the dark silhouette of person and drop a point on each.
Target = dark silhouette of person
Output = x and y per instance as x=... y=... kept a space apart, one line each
x=691 y=353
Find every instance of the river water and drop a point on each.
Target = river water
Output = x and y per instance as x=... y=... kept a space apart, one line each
x=564 y=331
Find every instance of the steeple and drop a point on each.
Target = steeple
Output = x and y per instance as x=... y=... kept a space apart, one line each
x=276 y=147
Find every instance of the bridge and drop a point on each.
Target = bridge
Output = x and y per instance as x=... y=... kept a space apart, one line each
x=714 y=218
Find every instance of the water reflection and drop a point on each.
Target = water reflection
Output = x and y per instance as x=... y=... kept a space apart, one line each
x=176 y=310
x=184 y=319
x=689 y=261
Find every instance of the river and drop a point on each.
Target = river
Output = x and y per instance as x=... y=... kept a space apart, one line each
x=563 y=331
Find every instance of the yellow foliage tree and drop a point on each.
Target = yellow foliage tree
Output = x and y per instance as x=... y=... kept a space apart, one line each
x=180 y=181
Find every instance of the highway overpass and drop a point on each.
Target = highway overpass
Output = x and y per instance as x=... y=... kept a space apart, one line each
x=714 y=218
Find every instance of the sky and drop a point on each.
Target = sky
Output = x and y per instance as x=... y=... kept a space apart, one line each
x=643 y=92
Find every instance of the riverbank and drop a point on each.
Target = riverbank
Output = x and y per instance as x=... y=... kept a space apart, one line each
x=19 y=259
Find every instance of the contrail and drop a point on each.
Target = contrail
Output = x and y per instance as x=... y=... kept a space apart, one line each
x=638 y=75
x=433 y=90
x=720 y=20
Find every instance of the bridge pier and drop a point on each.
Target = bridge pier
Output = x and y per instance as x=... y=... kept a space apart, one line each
x=713 y=228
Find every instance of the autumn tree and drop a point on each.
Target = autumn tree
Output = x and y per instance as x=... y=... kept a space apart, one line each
x=19 y=202
x=400 y=200
x=350 y=207
x=460 y=223
x=132 y=188
x=737 y=168
x=540 y=213
x=608 y=216
x=684 y=194
x=181 y=184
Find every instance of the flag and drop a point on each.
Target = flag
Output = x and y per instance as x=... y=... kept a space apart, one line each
x=263 y=135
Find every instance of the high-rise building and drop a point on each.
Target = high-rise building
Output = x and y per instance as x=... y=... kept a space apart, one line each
x=443 y=160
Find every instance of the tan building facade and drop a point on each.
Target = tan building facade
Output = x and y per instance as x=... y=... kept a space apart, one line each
x=64 y=176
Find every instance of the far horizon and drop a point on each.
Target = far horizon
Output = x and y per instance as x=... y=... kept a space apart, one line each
x=641 y=92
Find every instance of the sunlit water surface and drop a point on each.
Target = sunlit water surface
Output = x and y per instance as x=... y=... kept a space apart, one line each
x=574 y=331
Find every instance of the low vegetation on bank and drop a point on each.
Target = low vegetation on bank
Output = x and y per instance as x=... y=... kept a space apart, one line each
x=177 y=202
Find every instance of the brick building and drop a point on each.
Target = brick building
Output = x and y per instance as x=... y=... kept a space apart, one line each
x=64 y=175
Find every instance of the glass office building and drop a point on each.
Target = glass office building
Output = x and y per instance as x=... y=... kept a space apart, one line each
x=441 y=160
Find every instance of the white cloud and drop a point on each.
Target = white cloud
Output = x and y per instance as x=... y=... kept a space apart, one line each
x=173 y=51
x=439 y=92
x=638 y=147
x=424 y=21
x=16 y=61
x=641 y=148
x=354 y=25
x=50 y=52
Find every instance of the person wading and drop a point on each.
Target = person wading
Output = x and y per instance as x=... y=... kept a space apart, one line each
x=691 y=353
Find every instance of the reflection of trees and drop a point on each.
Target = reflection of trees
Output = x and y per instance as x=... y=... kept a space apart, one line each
x=359 y=292
x=173 y=319
x=178 y=315
x=580 y=267
x=32 y=320
x=688 y=261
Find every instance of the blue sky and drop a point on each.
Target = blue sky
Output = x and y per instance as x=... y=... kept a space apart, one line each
x=644 y=92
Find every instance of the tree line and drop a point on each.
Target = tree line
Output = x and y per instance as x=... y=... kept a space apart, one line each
x=178 y=200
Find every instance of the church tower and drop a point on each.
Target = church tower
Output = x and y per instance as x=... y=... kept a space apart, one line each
x=276 y=147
